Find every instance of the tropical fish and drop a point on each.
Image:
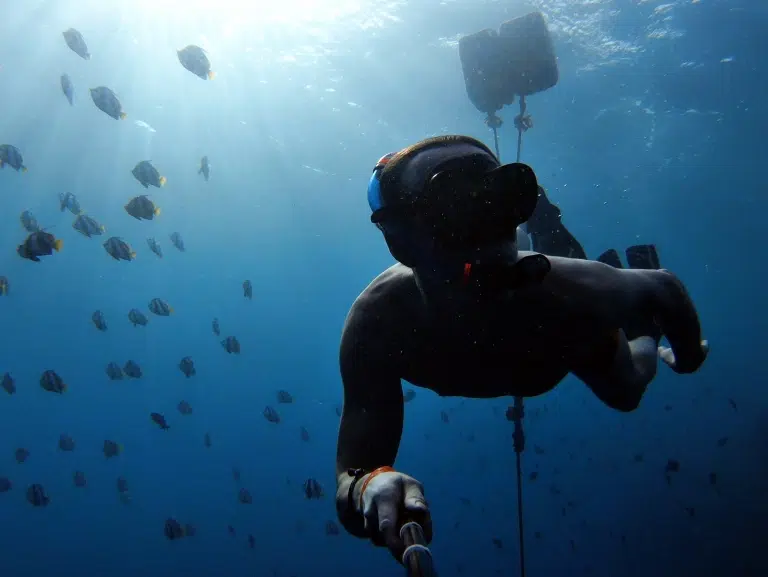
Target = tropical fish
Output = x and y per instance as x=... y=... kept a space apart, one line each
x=160 y=307
x=205 y=168
x=147 y=174
x=111 y=449
x=107 y=101
x=187 y=367
x=29 y=222
x=67 y=88
x=50 y=381
x=114 y=371
x=271 y=415
x=66 y=443
x=247 y=289
x=132 y=370
x=137 y=317
x=216 y=329
x=193 y=58
x=78 y=478
x=21 y=455
x=99 y=321
x=75 y=41
x=37 y=496
x=118 y=249
x=231 y=345
x=87 y=226
x=11 y=156
x=154 y=246
x=159 y=420
x=184 y=408
x=8 y=384
x=284 y=397
x=177 y=241
x=68 y=201
x=141 y=207
x=4 y=286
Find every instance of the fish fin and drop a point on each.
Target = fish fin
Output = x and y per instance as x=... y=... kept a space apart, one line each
x=163 y=180
x=119 y=448
x=64 y=387
x=24 y=169
x=133 y=254
x=211 y=75
x=3 y=290
x=57 y=244
x=123 y=115
x=157 y=211
x=103 y=228
x=170 y=310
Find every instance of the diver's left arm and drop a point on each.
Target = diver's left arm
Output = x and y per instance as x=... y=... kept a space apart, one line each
x=615 y=296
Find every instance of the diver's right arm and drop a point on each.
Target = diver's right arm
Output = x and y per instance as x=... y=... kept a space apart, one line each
x=372 y=418
x=369 y=437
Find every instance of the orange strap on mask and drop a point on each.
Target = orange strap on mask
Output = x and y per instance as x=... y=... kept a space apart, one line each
x=371 y=476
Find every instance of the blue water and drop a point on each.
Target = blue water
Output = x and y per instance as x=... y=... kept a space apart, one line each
x=655 y=133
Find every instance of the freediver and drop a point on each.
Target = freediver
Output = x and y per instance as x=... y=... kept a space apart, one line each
x=465 y=313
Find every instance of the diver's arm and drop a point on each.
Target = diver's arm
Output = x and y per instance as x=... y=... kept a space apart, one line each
x=372 y=419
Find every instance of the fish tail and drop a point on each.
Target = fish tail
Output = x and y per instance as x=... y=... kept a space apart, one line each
x=64 y=387
x=133 y=254
x=211 y=75
x=157 y=211
x=103 y=228
x=123 y=115
x=119 y=448
x=163 y=180
x=57 y=244
x=24 y=169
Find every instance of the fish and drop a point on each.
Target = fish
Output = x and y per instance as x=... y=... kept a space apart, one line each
x=154 y=246
x=88 y=226
x=251 y=541
x=37 y=496
x=141 y=207
x=11 y=156
x=118 y=249
x=29 y=222
x=78 y=478
x=244 y=496
x=215 y=326
x=284 y=397
x=4 y=286
x=313 y=489
x=114 y=371
x=159 y=420
x=331 y=528
x=187 y=366
x=132 y=370
x=174 y=530
x=5 y=484
x=137 y=317
x=66 y=443
x=8 y=384
x=160 y=307
x=122 y=490
x=147 y=174
x=177 y=241
x=99 y=321
x=304 y=435
x=51 y=381
x=271 y=415
x=184 y=408
x=67 y=87
x=111 y=449
x=231 y=345
x=108 y=102
x=247 y=289
x=205 y=168
x=207 y=440
x=68 y=201
x=194 y=59
x=76 y=43
x=39 y=244
x=21 y=455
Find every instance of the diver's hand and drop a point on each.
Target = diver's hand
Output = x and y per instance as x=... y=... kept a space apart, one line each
x=389 y=500
x=676 y=315
x=666 y=355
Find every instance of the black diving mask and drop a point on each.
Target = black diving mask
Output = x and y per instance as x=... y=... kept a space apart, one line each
x=468 y=202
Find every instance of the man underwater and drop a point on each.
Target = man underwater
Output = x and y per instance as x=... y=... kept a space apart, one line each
x=466 y=313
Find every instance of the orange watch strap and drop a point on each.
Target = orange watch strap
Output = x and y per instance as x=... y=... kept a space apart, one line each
x=368 y=480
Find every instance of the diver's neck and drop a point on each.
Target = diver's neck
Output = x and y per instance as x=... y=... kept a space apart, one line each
x=445 y=286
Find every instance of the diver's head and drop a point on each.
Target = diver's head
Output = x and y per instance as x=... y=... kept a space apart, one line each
x=448 y=198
